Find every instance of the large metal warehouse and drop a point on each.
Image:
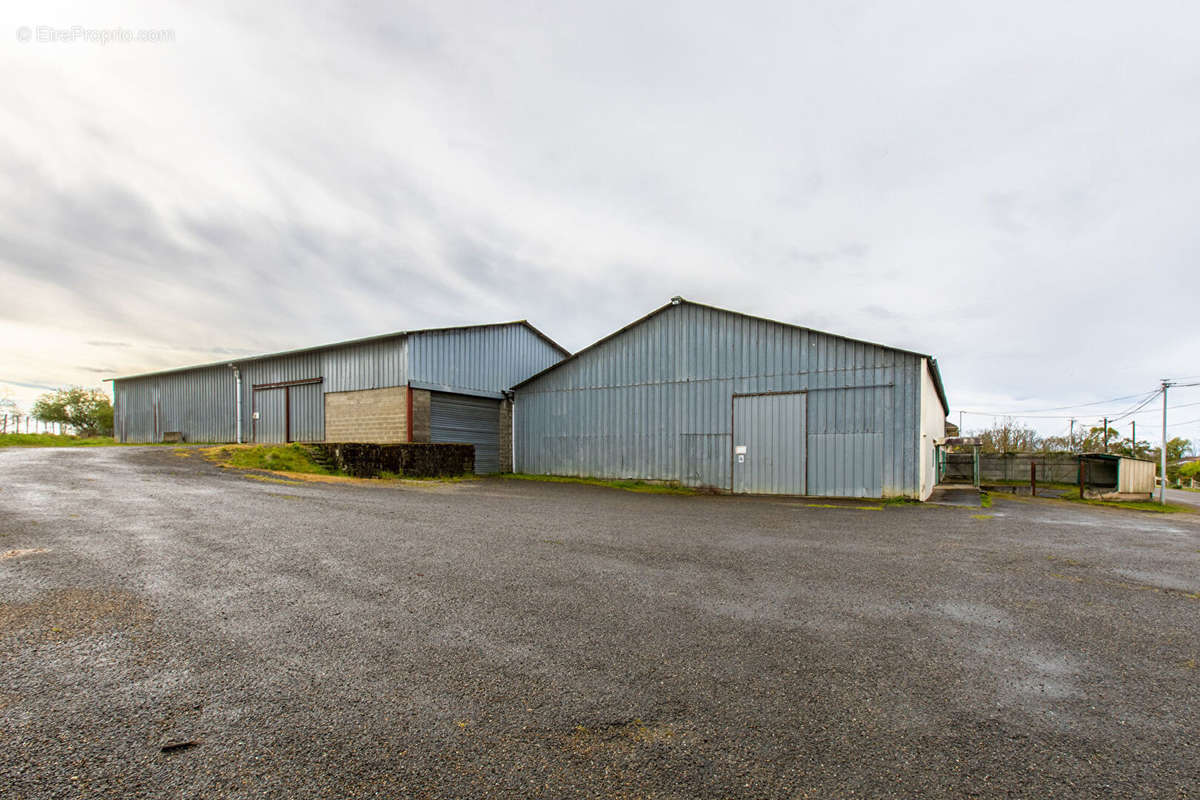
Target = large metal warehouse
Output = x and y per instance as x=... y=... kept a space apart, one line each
x=435 y=385
x=713 y=398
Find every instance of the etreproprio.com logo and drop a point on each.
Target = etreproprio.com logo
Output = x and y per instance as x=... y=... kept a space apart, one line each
x=51 y=34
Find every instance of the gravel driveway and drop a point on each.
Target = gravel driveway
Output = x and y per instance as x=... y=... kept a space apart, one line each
x=499 y=638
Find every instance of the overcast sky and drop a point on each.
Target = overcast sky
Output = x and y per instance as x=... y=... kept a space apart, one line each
x=1010 y=186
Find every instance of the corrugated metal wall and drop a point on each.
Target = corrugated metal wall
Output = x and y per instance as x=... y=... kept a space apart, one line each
x=768 y=444
x=1136 y=476
x=487 y=359
x=455 y=418
x=655 y=402
x=370 y=365
x=271 y=425
x=305 y=416
x=199 y=403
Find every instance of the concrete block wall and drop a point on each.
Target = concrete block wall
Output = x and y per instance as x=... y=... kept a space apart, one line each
x=368 y=415
x=421 y=401
x=506 y=443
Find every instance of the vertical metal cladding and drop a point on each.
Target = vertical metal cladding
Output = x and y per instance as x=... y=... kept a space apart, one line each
x=367 y=365
x=769 y=443
x=1135 y=476
x=201 y=402
x=488 y=358
x=198 y=403
x=305 y=416
x=656 y=402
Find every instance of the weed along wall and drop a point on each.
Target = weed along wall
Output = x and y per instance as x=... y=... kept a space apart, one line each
x=408 y=459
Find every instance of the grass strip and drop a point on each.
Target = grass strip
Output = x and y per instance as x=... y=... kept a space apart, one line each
x=624 y=485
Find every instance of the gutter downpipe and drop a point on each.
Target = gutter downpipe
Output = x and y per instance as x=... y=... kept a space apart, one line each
x=511 y=397
x=237 y=376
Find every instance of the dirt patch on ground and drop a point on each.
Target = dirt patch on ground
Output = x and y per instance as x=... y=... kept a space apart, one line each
x=63 y=614
x=619 y=737
x=28 y=551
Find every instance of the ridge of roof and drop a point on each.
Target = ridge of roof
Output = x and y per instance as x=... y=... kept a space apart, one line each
x=678 y=301
x=362 y=340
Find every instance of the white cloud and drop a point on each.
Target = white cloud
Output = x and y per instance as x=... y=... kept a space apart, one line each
x=1003 y=187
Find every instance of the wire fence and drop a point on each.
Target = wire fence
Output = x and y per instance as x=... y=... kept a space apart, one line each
x=23 y=423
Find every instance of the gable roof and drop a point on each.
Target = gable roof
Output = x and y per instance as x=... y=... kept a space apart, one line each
x=677 y=301
x=364 y=340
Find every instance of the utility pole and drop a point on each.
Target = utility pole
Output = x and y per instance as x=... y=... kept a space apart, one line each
x=1072 y=434
x=960 y=430
x=1162 y=488
x=1106 y=434
x=1133 y=440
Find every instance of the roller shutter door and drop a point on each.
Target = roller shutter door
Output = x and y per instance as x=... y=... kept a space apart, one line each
x=457 y=418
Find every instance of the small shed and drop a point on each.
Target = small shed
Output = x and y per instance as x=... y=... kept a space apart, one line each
x=1105 y=476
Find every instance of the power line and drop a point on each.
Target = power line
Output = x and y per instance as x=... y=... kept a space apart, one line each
x=1060 y=408
x=1137 y=408
x=1119 y=415
x=1158 y=411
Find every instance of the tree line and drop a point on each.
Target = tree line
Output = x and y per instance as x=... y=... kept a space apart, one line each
x=86 y=412
x=1010 y=436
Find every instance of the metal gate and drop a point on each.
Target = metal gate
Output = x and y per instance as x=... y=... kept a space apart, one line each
x=293 y=411
x=769 y=443
x=457 y=418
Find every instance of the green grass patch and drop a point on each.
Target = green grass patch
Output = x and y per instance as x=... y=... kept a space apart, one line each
x=1131 y=505
x=54 y=440
x=624 y=485
x=831 y=505
x=273 y=457
x=1040 y=484
x=985 y=500
x=66 y=440
x=385 y=475
x=902 y=501
x=268 y=479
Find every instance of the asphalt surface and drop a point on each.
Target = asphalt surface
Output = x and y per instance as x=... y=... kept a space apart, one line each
x=1180 y=497
x=500 y=638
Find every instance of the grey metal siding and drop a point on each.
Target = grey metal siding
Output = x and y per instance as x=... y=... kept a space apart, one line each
x=770 y=429
x=369 y=365
x=487 y=359
x=655 y=402
x=455 y=418
x=200 y=404
x=271 y=425
x=280 y=369
x=307 y=412
x=135 y=420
